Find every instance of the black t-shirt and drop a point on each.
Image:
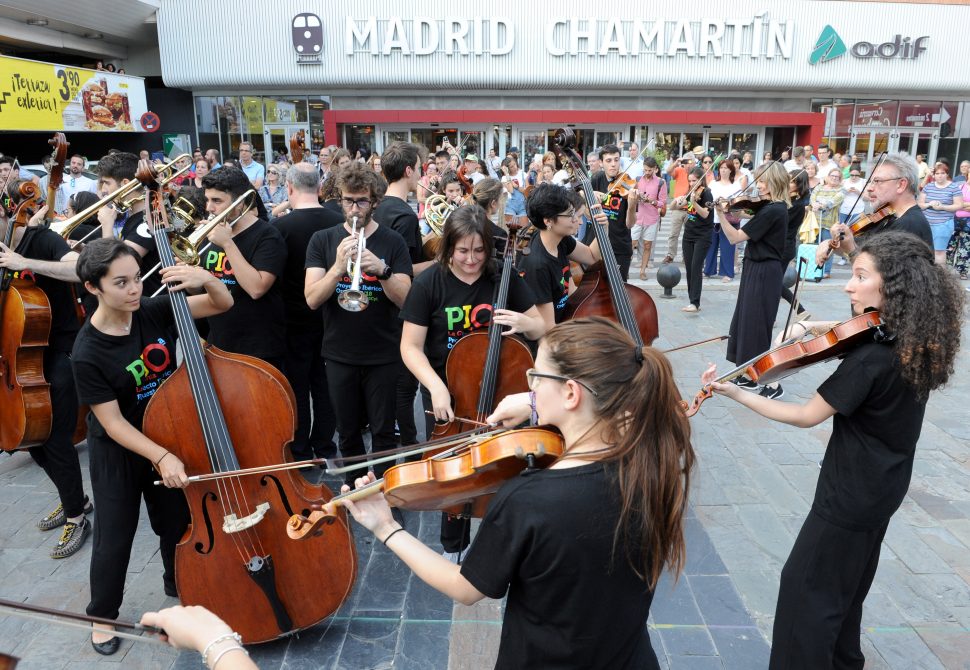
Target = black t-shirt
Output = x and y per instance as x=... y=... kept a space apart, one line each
x=373 y=336
x=615 y=209
x=397 y=215
x=449 y=308
x=869 y=458
x=297 y=228
x=127 y=368
x=695 y=226
x=548 y=275
x=136 y=230
x=572 y=602
x=42 y=244
x=796 y=215
x=252 y=327
x=766 y=232
x=912 y=221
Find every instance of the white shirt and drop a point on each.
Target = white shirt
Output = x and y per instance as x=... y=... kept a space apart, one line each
x=826 y=167
x=71 y=185
x=853 y=204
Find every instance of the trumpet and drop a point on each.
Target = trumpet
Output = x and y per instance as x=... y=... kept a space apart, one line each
x=353 y=299
x=186 y=247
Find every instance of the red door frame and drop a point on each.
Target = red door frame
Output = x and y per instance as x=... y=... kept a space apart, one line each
x=809 y=125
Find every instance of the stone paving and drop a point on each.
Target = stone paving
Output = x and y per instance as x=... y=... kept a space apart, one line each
x=751 y=490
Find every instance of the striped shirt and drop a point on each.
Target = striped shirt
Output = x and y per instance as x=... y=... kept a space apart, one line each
x=944 y=194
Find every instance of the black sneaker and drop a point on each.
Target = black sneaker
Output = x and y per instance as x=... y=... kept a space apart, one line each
x=56 y=518
x=746 y=383
x=72 y=538
x=771 y=393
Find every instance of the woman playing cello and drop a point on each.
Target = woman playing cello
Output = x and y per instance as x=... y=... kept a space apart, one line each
x=450 y=299
x=578 y=547
x=122 y=354
x=877 y=397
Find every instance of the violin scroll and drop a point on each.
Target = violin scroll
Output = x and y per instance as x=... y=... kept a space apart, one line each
x=692 y=408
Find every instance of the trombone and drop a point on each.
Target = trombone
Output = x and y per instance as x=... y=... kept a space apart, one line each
x=125 y=197
x=187 y=248
x=353 y=299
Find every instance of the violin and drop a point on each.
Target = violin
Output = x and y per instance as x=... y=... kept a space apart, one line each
x=868 y=222
x=219 y=412
x=483 y=366
x=745 y=205
x=458 y=481
x=602 y=291
x=622 y=185
x=794 y=354
x=297 y=146
x=25 y=401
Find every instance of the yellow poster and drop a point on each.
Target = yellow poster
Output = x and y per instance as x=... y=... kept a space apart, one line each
x=253 y=113
x=51 y=97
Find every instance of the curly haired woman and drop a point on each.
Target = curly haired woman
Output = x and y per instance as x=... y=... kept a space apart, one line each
x=877 y=397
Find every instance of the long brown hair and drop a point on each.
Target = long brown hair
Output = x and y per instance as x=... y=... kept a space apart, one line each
x=465 y=221
x=640 y=417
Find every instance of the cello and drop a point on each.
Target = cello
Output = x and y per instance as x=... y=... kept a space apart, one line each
x=217 y=412
x=602 y=291
x=25 y=401
x=483 y=366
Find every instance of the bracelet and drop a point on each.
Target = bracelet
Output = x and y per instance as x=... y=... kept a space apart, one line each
x=392 y=534
x=161 y=457
x=224 y=652
x=221 y=638
x=534 y=415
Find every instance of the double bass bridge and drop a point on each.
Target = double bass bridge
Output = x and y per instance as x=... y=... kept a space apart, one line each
x=231 y=523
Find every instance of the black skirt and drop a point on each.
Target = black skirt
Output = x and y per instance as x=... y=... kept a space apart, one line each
x=755 y=311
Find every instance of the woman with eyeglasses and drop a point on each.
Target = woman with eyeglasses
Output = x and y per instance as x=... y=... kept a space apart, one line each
x=577 y=548
x=273 y=192
x=939 y=200
x=450 y=299
x=825 y=202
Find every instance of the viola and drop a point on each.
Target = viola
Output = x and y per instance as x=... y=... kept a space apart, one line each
x=793 y=355
x=25 y=401
x=459 y=481
x=219 y=412
x=602 y=291
x=868 y=222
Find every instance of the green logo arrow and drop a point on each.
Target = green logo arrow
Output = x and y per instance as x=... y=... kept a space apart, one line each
x=829 y=46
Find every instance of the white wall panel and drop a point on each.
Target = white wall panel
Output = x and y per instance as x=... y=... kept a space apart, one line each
x=209 y=44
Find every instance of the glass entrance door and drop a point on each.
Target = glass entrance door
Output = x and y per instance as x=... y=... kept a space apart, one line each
x=276 y=141
x=868 y=145
x=914 y=142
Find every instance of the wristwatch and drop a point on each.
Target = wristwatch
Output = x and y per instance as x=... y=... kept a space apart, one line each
x=386 y=273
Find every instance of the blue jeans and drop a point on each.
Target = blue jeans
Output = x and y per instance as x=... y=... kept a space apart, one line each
x=827 y=235
x=720 y=243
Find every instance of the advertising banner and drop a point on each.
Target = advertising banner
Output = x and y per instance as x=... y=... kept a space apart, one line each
x=51 y=97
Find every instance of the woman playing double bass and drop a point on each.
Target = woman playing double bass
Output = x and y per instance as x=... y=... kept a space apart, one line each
x=122 y=354
x=578 y=547
x=450 y=299
x=877 y=397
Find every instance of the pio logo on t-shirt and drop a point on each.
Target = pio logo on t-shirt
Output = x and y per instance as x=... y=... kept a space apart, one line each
x=153 y=361
x=478 y=317
x=217 y=264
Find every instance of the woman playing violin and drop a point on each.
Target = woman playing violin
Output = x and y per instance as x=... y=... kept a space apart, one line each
x=450 y=299
x=877 y=397
x=578 y=547
x=760 y=289
x=698 y=229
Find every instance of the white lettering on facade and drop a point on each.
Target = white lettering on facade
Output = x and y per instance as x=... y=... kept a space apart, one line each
x=423 y=36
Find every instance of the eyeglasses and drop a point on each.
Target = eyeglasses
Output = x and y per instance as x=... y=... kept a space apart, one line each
x=568 y=215
x=532 y=376
x=362 y=203
x=881 y=180
x=855 y=175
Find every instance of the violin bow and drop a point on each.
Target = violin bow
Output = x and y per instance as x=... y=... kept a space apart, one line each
x=32 y=612
x=879 y=161
x=695 y=344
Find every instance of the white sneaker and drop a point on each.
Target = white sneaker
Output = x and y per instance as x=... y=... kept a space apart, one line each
x=841 y=260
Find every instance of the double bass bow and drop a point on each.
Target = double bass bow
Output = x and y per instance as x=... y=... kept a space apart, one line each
x=25 y=402
x=218 y=412
x=485 y=366
x=602 y=291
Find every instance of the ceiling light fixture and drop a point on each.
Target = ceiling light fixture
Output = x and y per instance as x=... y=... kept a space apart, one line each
x=93 y=36
x=36 y=22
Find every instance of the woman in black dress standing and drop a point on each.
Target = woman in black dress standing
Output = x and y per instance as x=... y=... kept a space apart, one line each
x=698 y=227
x=760 y=290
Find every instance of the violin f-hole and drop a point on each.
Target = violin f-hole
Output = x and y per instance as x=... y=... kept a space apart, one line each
x=282 y=493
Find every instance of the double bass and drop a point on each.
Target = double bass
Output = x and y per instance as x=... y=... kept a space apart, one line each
x=218 y=412
x=25 y=401
x=483 y=366
x=602 y=292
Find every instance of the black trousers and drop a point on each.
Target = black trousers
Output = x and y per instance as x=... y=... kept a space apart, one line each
x=695 y=253
x=307 y=374
x=364 y=391
x=624 y=263
x=58 y=456
x=120 y=479
x=407 y=389
x=823 y=585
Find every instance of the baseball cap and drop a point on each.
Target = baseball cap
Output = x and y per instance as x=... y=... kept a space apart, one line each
x=471 y=157
x=513 y=150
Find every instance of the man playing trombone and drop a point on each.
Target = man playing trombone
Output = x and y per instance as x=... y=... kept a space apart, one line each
x=360 y=273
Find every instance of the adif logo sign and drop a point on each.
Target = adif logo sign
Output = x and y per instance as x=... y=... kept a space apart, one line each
x=307 y=38
x=830 y=46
